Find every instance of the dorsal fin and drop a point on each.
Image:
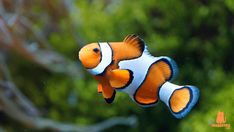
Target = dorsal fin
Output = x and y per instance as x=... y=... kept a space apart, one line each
x=135 y=41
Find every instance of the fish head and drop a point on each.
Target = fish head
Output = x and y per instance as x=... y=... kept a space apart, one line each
x=90 y=55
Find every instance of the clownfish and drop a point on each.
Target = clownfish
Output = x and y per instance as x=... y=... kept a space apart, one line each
x=129 y=67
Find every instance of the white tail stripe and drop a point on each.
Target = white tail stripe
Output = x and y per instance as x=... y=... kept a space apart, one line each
x=166 y=91
x=106 y=59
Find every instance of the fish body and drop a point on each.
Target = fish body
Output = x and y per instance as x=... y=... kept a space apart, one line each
x=128 y=67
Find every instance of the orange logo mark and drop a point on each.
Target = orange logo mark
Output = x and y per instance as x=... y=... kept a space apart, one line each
x=220 y=118
x=221 y=121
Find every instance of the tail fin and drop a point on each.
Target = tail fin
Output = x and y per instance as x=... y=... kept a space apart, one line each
x=179 y=99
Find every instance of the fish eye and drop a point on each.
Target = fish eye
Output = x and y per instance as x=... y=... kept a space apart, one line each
x=96 y=50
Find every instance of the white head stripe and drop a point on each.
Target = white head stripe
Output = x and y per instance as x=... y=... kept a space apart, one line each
x=106 y=59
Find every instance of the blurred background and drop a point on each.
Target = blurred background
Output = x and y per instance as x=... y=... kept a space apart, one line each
x=44 y=87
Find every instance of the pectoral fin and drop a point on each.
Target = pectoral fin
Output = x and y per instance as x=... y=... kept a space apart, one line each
x=120 y=78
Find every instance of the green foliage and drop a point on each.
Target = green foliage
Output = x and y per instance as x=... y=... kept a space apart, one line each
x=198 y=34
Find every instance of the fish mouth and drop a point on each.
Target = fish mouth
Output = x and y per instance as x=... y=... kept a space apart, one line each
x=81 y=55
x=84 y=58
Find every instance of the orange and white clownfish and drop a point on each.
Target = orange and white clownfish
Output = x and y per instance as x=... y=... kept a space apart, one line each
x=128 y=67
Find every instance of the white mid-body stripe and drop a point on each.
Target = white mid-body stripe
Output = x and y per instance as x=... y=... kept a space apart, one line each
x=106 y=59
x=139 y=67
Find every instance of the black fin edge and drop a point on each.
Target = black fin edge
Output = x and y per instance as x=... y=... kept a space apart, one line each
x=110 y=100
